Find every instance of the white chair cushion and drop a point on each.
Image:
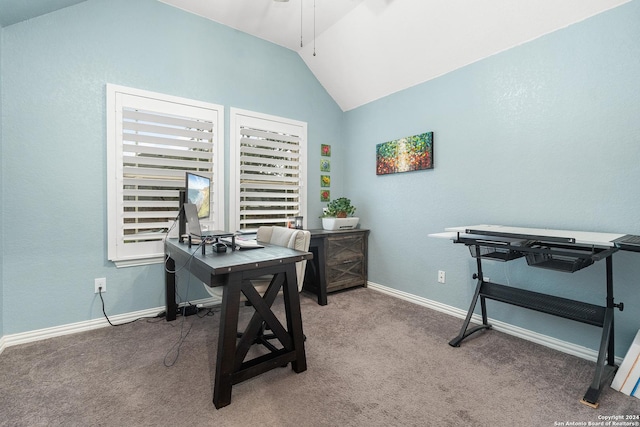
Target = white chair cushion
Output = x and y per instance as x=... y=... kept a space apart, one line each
x=289 y=238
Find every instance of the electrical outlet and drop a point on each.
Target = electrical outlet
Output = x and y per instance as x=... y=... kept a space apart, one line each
x=100 y=285
x=440 y=276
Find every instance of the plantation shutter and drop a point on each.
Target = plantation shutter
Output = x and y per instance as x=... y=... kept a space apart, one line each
x=268 y=181
x=157 y=139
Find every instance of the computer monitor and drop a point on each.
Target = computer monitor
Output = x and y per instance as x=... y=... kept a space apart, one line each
x=197 y=191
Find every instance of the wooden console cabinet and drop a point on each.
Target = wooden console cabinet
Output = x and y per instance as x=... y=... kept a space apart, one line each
x=339 y=261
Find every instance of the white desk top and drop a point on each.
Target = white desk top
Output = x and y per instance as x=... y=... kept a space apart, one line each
x=580 y=237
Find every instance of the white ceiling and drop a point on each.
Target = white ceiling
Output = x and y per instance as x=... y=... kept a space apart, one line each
x=276 y=21
x=367 y=49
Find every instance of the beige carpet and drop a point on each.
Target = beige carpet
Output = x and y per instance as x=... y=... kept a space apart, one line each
x=373 y=360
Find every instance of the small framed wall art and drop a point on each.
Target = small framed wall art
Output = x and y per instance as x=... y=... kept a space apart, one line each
x=325 y=168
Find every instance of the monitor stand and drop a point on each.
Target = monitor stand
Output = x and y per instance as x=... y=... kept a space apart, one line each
x=182 y=218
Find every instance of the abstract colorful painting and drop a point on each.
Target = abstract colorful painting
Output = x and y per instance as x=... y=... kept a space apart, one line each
x=325 y=165
x=405 y=154
x=325 y=195
x=325 y=181
x=325 y=150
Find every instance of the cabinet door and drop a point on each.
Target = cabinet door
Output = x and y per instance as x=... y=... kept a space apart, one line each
x=345 y=261
x=341 y=249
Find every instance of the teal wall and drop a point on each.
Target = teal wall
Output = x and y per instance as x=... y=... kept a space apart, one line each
x=543 y=135
x=546 y=135
x=54 y=210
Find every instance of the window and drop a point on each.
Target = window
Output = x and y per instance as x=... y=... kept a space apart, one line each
x=152 y=140
x=268 y=170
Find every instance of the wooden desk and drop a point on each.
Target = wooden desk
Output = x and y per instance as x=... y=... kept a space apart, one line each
x=339 y=261
x=234 y=270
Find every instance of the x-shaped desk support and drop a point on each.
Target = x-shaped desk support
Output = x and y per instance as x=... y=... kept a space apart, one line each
x=231 y=368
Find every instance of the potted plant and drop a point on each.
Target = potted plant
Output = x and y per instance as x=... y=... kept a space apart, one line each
x=338 y=215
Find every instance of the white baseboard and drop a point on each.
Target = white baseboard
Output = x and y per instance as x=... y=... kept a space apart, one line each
x=73 y=328
x=545 y=340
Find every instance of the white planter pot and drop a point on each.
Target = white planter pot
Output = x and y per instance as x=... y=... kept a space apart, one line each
x=340 y=223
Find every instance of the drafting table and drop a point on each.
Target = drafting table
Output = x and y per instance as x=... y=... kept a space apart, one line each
x=560 y=250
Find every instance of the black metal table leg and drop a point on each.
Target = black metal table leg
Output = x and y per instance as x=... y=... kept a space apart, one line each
x=607 y=348
x=464 y=332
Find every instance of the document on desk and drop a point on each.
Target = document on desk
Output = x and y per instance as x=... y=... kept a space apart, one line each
x=242 y=243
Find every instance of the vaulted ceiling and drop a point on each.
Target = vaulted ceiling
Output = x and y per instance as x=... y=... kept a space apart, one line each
x=363 y=50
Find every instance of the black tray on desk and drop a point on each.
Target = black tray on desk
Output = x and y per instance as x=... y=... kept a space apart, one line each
x=559 y=258
x=494 y=248
x=558 y=263
x=495 y=254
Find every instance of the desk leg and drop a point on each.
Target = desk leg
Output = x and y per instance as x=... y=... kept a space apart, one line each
x=225 y=360
x=611 y=356
x=464 y=332
x=316 y=272
x=607 y=348
x=294 y=319
x=593 y=393
x=485 y=325
x=171 y=308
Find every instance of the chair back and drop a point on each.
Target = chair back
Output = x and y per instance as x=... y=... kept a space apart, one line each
x=289 y=238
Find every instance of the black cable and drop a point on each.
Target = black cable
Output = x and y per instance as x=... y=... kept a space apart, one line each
x=177 y=345
x=208 y=313
x=177 y=270
x=125 y=323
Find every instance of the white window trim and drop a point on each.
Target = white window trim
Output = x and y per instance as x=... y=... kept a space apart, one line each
x=115 y=169
x=239 y=117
